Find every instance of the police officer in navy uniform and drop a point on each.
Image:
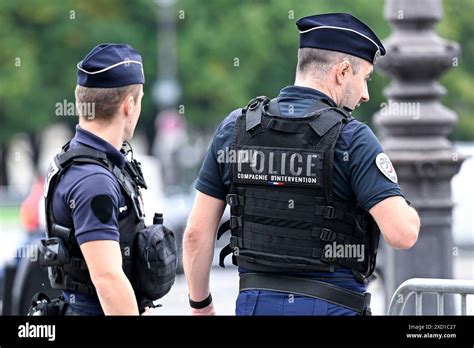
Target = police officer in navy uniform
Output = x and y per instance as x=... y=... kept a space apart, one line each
x=309 y=187
x=87 y=209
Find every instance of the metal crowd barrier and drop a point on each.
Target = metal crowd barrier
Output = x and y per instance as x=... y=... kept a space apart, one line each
x=418 y=286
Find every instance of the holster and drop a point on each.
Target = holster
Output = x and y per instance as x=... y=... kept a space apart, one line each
x=41 y=305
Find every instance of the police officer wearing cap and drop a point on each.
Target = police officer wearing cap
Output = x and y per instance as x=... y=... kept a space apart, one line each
x=309 y=187
x=93 y=202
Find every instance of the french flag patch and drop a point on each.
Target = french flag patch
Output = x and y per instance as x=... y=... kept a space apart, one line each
x=276 y=183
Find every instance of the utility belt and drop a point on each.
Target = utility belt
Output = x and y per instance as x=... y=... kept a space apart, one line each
x=352 y=300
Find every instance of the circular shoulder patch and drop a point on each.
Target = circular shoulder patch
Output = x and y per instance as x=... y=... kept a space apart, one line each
x=386 y=167
x=102 y=206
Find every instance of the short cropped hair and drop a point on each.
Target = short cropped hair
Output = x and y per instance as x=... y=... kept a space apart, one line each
x=318 y=62
x=105 y=101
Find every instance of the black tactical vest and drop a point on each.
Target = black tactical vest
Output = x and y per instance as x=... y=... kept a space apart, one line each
x=68 y=269
x=284 y=217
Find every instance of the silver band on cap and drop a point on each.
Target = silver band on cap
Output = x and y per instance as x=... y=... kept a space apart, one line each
x=109 y=67
x=340 y=28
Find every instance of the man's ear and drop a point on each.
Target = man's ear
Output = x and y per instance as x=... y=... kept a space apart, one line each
x=342 y=71
x=128 y=105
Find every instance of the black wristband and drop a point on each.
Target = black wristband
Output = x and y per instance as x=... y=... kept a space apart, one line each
x=201 y=304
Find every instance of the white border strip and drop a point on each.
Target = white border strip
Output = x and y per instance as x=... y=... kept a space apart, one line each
x=109 y=67
x=331 y=27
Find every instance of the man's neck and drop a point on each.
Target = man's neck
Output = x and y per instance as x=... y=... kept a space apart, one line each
x=110 y=133
x=317 y=86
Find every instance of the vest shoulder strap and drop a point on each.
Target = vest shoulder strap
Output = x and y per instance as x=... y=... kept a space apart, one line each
x=71 y=155
x=321 y=125
x=327 y=119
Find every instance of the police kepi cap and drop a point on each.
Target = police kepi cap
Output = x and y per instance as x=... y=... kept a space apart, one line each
x=340 y=32
x=109 y=66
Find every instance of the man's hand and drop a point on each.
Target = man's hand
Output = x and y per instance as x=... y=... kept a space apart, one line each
x=209 y=310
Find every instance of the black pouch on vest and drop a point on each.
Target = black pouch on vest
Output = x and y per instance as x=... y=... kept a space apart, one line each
x=155 y=265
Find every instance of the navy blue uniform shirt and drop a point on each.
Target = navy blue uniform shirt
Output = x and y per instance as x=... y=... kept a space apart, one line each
x=74 y=194
x=356 y=176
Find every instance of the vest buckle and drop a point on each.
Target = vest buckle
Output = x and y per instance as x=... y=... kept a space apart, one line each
x=76 y=263
x=330 y=212
x=81 y=288
x=74 y=286
x=232 y=199
x=327 y=235
x=235 y=221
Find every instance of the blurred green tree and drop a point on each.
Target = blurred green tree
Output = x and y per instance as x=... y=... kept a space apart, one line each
x=40 y=44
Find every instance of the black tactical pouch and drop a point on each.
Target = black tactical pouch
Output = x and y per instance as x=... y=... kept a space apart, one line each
x=155 y=263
